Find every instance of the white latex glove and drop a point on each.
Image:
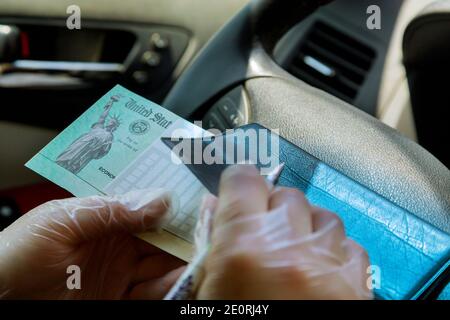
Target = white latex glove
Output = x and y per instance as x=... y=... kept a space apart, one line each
x=96 y=234
x=275 y=245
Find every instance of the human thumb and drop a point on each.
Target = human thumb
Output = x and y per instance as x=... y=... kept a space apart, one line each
x=81 y=219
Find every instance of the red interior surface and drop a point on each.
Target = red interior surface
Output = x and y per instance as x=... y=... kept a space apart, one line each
x=29 y=197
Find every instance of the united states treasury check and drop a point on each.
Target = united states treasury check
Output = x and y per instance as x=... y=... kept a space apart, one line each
x=115 y=147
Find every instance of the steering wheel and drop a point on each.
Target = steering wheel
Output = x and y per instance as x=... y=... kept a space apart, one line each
x=337 y=133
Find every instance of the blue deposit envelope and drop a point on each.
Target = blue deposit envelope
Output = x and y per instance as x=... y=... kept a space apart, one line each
x=115 y=147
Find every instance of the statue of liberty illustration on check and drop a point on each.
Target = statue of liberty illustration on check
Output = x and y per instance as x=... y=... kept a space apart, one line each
x=94 y=144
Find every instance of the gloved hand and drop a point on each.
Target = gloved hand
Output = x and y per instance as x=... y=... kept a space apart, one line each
x=275 y=245
x=96 y=234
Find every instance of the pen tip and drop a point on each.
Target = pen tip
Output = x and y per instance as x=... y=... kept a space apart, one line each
x=279 y=168
x=277 y=171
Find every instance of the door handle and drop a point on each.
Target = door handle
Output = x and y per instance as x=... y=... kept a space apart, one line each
x=66 y=66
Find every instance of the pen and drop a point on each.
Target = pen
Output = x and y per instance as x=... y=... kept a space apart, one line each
x=274 y=175
x=185 y=286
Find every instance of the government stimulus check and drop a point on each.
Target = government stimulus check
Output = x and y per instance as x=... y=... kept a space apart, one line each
x=115 y=147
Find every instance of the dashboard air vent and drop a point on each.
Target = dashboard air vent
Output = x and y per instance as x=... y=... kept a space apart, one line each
x=333 y=61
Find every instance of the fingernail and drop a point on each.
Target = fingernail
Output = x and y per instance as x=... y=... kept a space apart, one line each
x=142 y=199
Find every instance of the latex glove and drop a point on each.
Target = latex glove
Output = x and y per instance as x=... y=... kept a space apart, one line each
x=96 y=234
x=274 y=245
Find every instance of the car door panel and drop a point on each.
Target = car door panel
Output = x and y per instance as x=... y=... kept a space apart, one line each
x=39 y=104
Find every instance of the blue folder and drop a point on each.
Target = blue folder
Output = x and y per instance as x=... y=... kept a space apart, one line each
x=412 y=256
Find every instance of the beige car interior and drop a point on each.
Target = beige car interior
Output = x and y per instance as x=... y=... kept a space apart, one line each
x=19 y=142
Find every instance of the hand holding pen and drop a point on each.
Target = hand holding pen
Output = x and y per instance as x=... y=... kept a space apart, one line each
x=272 y=244
x=188 y=282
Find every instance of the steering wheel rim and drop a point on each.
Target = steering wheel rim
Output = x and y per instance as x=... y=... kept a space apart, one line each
x=246 y=41
x=337 y=133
